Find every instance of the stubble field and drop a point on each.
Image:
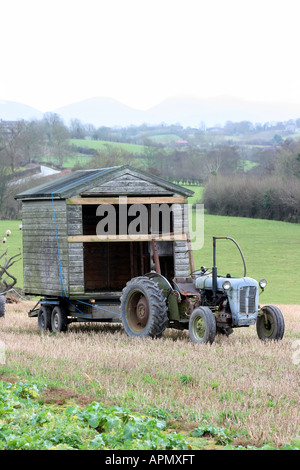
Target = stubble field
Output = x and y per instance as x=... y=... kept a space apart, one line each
x=239 y=383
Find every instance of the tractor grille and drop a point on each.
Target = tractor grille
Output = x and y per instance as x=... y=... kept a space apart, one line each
x=247 y=299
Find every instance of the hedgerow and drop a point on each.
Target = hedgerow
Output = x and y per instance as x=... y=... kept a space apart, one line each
x=270 y=198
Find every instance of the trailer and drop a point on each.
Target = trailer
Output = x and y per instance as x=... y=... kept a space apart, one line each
x=80 y=273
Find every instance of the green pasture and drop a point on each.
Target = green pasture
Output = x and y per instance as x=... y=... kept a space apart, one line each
x=198 y=193
x=164 y=138
x=270 y=248
x=104 y=145
x=70 y=161
x=271 y=251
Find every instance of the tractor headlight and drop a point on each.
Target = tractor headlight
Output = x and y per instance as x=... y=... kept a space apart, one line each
x=226 y=285
x=262 y=283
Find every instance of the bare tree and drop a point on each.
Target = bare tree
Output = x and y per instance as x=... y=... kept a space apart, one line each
x=57 y=136
x=33 y=141
x=7 y=280
x=11 y=142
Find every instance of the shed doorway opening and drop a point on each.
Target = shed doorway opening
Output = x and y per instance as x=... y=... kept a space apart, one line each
x=109 y=265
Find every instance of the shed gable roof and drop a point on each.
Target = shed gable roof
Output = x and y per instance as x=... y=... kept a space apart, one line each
x=115 y=180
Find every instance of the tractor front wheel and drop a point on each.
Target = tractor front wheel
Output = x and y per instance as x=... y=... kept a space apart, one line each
x=202 y=326
x=270 y=324
x=143 y=308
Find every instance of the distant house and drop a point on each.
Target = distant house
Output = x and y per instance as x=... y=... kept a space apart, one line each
x=181 y=142
x=6 y=126
x=215 y=130
x=291 y=126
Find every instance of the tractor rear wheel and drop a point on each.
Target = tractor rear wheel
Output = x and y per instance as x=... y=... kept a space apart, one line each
x=270 y=325
x=202 y=326
x=143 y=308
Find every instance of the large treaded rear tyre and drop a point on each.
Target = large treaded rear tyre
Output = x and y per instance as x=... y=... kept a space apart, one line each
x=143 y=308
x=270 y=325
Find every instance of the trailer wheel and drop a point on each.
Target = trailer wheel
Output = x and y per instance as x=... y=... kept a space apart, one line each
x=59 y=320
x=202 y=326
x=143 y=308
x=270 y=325
x=2 y=305
x=44 y=318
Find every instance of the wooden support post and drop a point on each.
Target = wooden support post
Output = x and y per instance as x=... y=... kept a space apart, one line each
x=156 y=257
x=191 y=258
x=142 y=258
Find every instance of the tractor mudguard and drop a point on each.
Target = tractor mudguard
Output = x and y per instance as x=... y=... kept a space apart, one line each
x=169 y=293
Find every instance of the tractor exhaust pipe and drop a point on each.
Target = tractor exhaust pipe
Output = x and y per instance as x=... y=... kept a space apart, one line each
x=214 y=270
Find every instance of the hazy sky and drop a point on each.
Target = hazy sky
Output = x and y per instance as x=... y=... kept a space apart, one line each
x=55 y=52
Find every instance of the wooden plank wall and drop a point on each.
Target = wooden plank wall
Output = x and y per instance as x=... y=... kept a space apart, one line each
x=40 y=250
x=181 y=255
x=75 y=251
x=127 y=184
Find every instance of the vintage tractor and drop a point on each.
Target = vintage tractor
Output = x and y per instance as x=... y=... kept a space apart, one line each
x=205 y=304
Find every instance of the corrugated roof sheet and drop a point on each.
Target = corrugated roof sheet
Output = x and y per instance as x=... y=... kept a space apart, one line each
x=76 y=181
x=63 y=186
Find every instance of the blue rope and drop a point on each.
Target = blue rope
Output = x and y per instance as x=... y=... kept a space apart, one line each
x=96 y=306
x=62 y=284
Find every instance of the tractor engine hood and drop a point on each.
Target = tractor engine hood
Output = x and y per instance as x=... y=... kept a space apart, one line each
x=205 y=282
x=242 y=295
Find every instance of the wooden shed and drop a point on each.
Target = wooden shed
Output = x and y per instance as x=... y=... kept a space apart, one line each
x=65 y=257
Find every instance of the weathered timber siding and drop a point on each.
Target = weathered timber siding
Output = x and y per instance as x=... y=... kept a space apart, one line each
x=75 y=251
x=181 y=255
x=41 y=242
x=127 y=184
x=93 y=267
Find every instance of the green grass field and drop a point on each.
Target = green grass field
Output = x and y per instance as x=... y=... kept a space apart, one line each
x=70 y=161
x=198 y=192
x=103 y=145
x=271 y=251
x=164 y=138
x=270 y=248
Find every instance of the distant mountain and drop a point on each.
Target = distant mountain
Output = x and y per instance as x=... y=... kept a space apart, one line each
x=218 y=110
x=101 y=112
x=13 y=111
x=186 y=111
